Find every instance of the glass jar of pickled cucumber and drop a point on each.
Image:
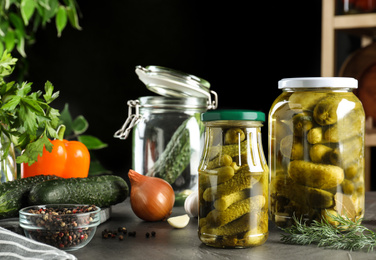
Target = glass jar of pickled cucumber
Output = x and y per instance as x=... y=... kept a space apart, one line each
x=233 y=180
x=316 y=151
x=167 y=129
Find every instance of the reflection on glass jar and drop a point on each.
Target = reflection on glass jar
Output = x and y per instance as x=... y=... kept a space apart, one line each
x=316 y=150
x=8 y=166
x=233 y=180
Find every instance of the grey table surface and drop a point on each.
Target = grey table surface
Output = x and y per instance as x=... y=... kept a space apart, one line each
x=170 y=243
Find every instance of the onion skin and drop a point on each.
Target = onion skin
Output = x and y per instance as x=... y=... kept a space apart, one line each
x=152 y=198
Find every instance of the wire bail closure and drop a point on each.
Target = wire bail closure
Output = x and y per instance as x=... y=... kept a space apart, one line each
x=213 y=104
x=131 y=121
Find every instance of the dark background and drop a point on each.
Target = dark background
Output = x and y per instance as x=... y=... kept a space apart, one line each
x=241 y=48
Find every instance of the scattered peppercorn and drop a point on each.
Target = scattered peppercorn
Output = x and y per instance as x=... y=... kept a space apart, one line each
x=121 y=231
x=132 y=234
x=124 y=230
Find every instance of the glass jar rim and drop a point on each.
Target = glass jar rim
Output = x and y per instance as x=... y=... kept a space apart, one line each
x=318 y=82
x=153 y=102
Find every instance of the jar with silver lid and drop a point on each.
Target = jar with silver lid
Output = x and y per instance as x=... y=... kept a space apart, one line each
x=167 y=130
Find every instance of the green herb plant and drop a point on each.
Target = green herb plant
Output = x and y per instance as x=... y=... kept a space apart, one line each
x=20 y=19
x=26 y=117
x=347 y=235
x=74 y=130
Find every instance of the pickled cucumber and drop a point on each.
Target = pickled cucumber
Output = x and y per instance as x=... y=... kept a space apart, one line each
x=238 y=226
x=347 y=152
x=315 y=175
x=353 y=126
x=320 y=153
x=231 y=149
x=224 y=160
x=219 y=218
x=225 y=201
x=221 y=174
x=316 y=136
x=292 y=148
x=302 y=123
x=325 y=112
x=242 y=180
x=234 y=136
x=302 y=195
x=305 y=100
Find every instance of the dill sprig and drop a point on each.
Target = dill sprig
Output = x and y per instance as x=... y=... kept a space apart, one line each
x=347 y=235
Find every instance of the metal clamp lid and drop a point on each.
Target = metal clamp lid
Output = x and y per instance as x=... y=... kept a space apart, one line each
x=172 y=83
x=131 y=121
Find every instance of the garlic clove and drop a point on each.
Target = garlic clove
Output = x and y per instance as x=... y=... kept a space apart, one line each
x=191 y=204
x=179 y=221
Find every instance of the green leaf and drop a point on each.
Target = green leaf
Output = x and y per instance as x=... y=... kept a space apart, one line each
x=12 y=103
x=7 y=64
x=24 y=89
x=91 y=142
x=72 y=14
x=20 y=35
x=27 y=9
x=17 y=22
x=34 y=149
x=80 y=125
x=61 y=20
x=54 y=115
x=10 y=40
x=66 y=119
x=32 y=105
x=50 y=95
x=27 y=118
x=96 y=168
x=1 y=47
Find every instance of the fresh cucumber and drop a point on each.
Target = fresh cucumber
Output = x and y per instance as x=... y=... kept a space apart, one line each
x=102 y=191
x=13 y=194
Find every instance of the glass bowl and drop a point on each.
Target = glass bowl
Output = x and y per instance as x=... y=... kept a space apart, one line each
x=65 y=226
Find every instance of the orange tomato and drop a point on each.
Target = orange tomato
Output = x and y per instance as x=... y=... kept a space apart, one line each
x=68 y=159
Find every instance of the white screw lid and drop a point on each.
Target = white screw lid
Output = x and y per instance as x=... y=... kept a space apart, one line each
x=318 y=82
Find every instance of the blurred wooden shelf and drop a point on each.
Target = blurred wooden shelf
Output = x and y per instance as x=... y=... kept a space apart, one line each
x=364 y=26
x=354 y=21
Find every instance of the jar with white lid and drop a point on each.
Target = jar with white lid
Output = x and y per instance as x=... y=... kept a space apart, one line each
x=167 y=130
x=316 y=151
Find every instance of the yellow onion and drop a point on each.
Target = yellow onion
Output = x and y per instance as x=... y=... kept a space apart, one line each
x=151 y=198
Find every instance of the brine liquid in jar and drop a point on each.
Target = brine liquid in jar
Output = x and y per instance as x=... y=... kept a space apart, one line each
x=316 y=151
x=233 y=180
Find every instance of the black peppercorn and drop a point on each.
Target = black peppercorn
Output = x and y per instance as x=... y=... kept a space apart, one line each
x=65 y=221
